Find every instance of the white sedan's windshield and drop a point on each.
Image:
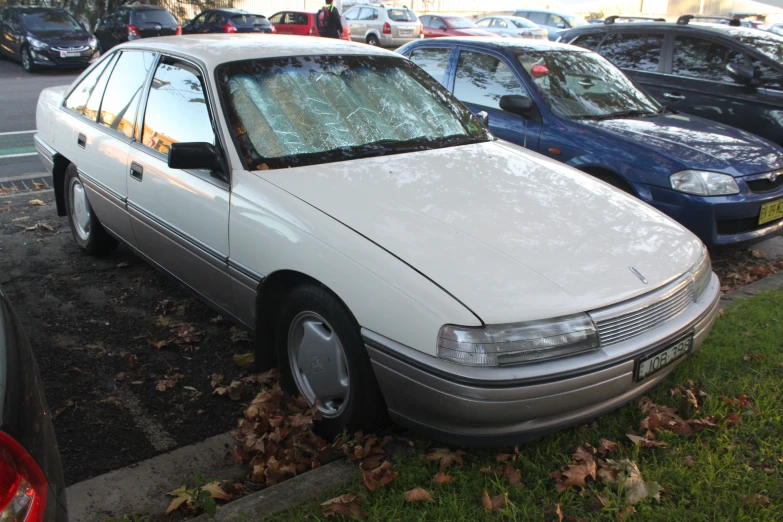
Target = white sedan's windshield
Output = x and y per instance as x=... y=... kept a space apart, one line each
x=316 y=109
x=585 y=85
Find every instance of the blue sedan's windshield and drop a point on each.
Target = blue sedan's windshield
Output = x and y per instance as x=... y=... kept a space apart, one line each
x=585 y=85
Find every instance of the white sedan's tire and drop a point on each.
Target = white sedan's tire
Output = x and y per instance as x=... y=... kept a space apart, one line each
x=323 y=358
x=85 y=227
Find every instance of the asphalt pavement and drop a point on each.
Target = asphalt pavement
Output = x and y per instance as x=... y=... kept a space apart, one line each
x=19 y=92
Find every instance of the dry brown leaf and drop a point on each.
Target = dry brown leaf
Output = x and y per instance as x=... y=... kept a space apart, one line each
x=235 y=390
x=418 y=495
x=688 y=460
x=607 y=446
x=732 y=419
x=645 y=443
x=245 y=360
x=346 y=506
x=380 y=476
x=626 y=512
x=756 y=500
x=158 y=344
x=122 y=265
x=443 y=478
x=39 y=186
x=36 y=203
x=491 y=504
x=445 y=457
x=216 y=379
x=168 y=382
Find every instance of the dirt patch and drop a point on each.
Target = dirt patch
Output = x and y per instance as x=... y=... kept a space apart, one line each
x=741 y=266
x=90 y=322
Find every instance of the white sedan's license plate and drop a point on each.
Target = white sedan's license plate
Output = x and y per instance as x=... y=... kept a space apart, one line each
x=69 y=54
x=653 y=363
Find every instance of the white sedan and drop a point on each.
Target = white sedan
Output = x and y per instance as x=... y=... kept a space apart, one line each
x=389 y=253
x=513 y=26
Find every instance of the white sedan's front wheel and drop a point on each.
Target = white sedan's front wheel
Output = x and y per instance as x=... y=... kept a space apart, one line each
x=323 y=358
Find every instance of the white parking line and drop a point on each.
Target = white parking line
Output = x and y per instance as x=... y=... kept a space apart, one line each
x=158 y=437
x=16 y=132
x=18 y=155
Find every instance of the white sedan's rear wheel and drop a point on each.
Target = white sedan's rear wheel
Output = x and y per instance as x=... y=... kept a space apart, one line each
x=85 y=227
x=323 y=358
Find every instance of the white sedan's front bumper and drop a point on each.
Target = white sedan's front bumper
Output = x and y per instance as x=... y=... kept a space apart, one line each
x=448 y=401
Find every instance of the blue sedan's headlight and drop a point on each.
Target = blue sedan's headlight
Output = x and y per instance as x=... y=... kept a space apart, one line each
x=703 y=183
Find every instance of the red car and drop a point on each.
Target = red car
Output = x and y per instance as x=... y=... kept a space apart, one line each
x=301 y=23
x=446 y=25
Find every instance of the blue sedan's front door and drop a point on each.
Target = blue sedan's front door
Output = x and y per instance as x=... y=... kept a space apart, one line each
x=480 y=79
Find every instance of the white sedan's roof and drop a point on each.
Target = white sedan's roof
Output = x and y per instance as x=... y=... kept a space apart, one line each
x=214 y=49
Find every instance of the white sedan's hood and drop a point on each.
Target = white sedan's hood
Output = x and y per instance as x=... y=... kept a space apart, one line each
x=513 y=235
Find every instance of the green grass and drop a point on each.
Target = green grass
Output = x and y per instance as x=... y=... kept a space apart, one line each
x=729 y=461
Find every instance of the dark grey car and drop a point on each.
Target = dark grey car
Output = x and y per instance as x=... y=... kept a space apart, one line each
x=31 y=478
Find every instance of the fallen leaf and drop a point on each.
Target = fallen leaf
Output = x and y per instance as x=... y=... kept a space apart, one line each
x=380 y=476
x=346 y=506
x=216 y=319
x=732 y=419
x=559 y=513
x=235 y=390
x=759 y=356
x=239 y=335
x=646 y=443
x=491 y=504
x=169 y=382
x=756 y=500
x=158 y=344
x=445 y=457
x=40 y=226
x=625 y=513
x=418 y=495
x=216 y=379
x=607 y=446
x=689 y=460
x=512 y=475
x=245 y=360
x=442 y=478
x=36 y=203
x=122 y=265
x=39 y=186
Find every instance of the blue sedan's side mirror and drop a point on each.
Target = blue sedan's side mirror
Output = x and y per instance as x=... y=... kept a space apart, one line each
x=516 y=104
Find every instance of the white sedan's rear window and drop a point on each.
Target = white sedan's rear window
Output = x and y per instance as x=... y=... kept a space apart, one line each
x=316 y=109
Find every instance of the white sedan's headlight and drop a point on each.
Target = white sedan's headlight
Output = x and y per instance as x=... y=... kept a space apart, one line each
x=36 y=44
x=704 y=183
x=510 y=344
x=702 y=273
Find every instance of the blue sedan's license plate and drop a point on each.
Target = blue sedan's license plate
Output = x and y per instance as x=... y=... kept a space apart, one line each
x=655 y=362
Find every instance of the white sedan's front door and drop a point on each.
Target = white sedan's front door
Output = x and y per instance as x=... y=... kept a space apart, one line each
x=180 y=217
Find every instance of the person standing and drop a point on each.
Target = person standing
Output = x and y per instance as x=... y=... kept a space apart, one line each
x=329 y=22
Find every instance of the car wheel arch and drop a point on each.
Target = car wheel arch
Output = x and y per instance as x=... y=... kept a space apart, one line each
x=271 y=291
x=610 y=176
x=58 y=177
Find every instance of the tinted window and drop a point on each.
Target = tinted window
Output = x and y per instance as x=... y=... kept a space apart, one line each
x=697 y=58
x=368 y=14
x=200 y=18
x=401 y=15
x=49 y=21
x=176 y=109
x=456 y=22
x=524 y=23
x=214 y=18
x=481 y=23
x=351 y=14
x=768 y=44
x=77 y=100
x=633 y=51
x=482 y=79
x=278 y=18
x=295 y=19
x=588 y=41
x=153 y=16
x=770 y=77
x=500 y=24
x=433 y=61
x=556 y=21
x=94 y=103
x=118 y=110
x=538 y=18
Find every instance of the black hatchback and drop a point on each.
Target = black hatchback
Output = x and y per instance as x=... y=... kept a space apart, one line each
x=132 y=22
x=228 y=21
x=31 y=478
x=44 y=37
x=733 y=75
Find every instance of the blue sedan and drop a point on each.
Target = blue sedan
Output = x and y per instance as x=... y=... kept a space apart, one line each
x=570 y=104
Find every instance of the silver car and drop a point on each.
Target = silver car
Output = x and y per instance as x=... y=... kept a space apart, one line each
x=512 y=26
x=384 y=26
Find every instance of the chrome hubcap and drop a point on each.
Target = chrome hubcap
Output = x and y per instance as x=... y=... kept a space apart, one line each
x=80 y=209
x=317 y=361
x=26 y=59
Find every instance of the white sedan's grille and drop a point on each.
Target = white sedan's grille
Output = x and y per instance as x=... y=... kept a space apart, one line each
x=619 y=323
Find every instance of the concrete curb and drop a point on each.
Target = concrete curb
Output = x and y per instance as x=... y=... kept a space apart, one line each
x=286 y=495
x=140 y=488
x=771 y=282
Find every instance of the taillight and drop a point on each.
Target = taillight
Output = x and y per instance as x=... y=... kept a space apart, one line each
x=131 y=30
x=274 y=31
x=230 y=28
x=179 y=30
x=386 y=28
x=22 y=483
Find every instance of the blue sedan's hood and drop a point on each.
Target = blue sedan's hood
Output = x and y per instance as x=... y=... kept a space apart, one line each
x=697 y=143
